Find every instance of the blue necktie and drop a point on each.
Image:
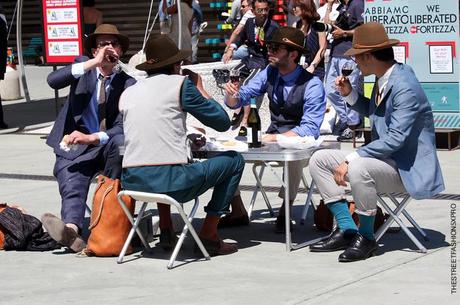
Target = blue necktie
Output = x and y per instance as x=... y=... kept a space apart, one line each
x=279 y=92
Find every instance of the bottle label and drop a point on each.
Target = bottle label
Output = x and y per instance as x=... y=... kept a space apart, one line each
x=249 y=135
x=259 y=135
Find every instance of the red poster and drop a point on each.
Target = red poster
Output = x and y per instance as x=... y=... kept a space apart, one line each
x=62 y=30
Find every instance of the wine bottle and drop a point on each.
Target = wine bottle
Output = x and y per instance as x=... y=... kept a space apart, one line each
x=254 y=126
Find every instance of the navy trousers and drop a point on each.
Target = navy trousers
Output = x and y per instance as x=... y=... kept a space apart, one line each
x=74 y=176
x=186 y=182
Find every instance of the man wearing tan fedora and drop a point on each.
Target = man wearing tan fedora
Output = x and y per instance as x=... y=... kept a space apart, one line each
x=156 y=155
x=401 y=156
x=88 y=130
x=297 y=99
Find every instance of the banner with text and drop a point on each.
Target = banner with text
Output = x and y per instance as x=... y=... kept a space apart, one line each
x=62 y=30
x=429 y=35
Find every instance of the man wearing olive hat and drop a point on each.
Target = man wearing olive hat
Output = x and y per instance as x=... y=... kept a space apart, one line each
x=88 y=130
x=297 y=99
x=401 y=156
x=156 y=155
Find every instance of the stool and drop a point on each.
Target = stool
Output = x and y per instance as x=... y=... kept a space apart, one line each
x=154 y=198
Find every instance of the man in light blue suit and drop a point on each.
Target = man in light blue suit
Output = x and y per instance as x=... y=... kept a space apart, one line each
x=400 y=158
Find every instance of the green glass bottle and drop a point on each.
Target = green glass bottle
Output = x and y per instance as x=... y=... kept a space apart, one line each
x=254 y=126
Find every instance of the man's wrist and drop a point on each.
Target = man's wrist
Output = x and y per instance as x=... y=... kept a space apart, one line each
x=228 y=48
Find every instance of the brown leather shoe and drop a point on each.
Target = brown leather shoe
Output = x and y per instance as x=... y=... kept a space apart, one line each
x=217 y=247
x=64 y=235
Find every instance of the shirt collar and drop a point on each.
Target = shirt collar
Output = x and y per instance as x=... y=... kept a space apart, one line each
x=110 y=77
x=383 y=81
x=291 y=77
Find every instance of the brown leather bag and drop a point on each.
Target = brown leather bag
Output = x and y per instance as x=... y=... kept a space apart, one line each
x=2 y=235
x=109 y=225
x=324 y=221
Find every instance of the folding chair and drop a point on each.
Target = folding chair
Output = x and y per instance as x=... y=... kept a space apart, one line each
x=400 y=208
x=153 y=198
x=259 y=187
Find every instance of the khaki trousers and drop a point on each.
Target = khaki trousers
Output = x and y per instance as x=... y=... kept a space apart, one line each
x=367 y=177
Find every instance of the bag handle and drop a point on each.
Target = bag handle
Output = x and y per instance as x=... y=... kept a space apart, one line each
x=98 y=217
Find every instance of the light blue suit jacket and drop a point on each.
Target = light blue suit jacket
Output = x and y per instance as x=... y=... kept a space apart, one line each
x=403 y=130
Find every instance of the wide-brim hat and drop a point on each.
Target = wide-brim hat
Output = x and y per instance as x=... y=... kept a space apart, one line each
x=370 y=37
x=290 y=37
x=106 y=29
x=160 y=52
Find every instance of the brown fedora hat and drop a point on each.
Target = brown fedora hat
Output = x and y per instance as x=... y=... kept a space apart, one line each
x=160 y=52
x=289 y=36
x=106 y=29
x=370 y=37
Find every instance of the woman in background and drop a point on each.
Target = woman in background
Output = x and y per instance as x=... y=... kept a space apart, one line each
x=314 y=41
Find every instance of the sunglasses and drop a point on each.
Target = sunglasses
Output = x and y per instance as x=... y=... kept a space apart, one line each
x=114 y=43
x=261 y=10
x=274 y=47
x=243 y=6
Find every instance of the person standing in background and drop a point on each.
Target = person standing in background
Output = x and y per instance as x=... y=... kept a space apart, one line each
x=3 y=45
x=92 y=17
x=186 y=20
x=315 y=42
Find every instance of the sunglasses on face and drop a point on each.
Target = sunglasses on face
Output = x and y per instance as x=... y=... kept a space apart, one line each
x=261 y=10
x=114 y=43
x=243 y=6
x=273 y=48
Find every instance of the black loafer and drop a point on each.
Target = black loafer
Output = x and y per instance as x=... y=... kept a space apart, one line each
x=360 y=249
x=338 y=240
x=236 y=118
x=280 y=225
x=243 y=131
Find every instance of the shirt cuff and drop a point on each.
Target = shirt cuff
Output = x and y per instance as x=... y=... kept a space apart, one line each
x=351 y=98
x=352 y=156
x=234 y=46
x=78 y=69
x=103 y=138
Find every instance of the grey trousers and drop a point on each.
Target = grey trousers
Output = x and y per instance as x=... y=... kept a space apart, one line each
x=367 y=178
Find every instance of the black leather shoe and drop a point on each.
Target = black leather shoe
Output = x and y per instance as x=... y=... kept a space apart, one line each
x=280 y=225
x=360 y=249
x=338 y=240
x=168 y=239
x=236 y=118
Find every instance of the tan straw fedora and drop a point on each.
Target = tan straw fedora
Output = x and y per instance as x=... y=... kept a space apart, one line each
x=160 y=52
x=106 y=29
x=370 y=37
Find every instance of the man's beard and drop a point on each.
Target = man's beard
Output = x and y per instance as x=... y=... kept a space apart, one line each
x=260 y=21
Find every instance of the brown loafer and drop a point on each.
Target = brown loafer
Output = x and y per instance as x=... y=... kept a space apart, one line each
x=229 y=221
x=217 y=247
x=64 y=235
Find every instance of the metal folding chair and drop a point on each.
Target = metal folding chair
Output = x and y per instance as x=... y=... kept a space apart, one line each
x=259 y=187
x=400 y=208
x=153 y=198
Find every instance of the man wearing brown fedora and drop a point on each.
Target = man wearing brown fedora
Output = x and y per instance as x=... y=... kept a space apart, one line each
x=156 y=155
x=297 y=99
x=91 y=125
x=401 y=156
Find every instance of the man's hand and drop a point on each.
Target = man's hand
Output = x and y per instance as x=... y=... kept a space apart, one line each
x=231 y=90
x=339 y=174
x=269 y=138
x=228 y=55
x=77 y=137
x=338 y=32
x=343 y=86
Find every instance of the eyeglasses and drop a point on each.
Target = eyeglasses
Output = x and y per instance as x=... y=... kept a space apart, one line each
x=243 y=6
x=274 y=47
x=261 y=10
x=114 y=43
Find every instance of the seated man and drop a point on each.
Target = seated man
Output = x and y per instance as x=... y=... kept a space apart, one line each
x=156 y=157
x=297 y=99
x=254 y=35
x=400 y=158
x=90 y=120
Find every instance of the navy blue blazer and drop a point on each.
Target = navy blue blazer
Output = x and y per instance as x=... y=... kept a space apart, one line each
x=81 y=91
x=258 y=58
x=403 y=130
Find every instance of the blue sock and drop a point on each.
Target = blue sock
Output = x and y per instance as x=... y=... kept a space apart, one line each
x=366 y=226
x=341 y=213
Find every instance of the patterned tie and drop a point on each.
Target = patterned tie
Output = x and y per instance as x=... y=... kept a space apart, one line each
x=101 y=103
x=279 y=92
x=260 y=36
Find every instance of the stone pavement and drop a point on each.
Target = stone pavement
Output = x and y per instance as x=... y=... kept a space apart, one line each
x=262 y=272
